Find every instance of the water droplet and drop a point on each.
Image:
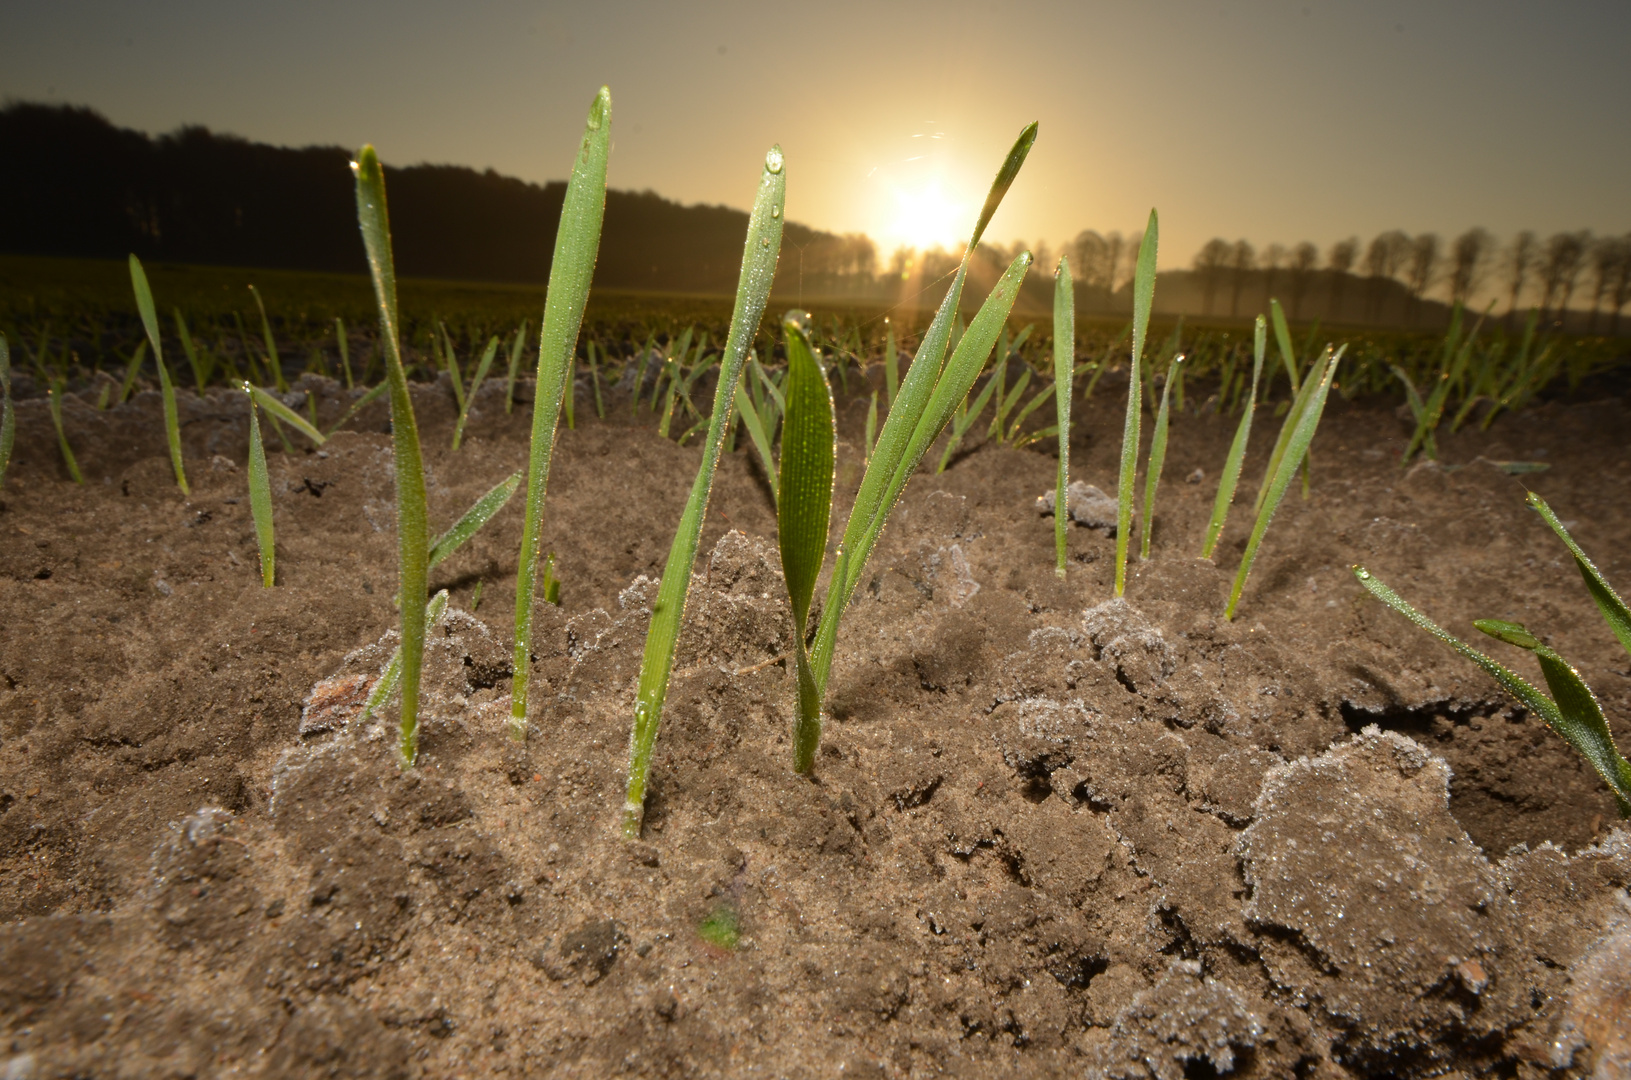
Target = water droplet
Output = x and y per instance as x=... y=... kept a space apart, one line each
x=1364 y=575
x=765 y=242
x=775 y=211
x=773 y=160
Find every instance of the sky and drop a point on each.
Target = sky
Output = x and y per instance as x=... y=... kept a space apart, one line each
x=1270 y=121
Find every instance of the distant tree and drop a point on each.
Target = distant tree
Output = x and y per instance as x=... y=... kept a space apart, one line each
x=1384 y=258
x=1559 y=270
x=1087 y=253
x=1340 y=260
x=1304 y=258
x=1270 y=260
x=1468 y=258
x=1605 y=257
x=1421 y=269
x=1519 y=261
x=1115 y=246
x=1209 y=264
x=1620 y=291
x=1242 y=258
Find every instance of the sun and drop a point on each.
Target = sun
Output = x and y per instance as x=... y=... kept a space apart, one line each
x=925 y=217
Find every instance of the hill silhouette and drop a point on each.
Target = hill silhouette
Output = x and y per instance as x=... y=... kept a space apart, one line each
x=80 y=186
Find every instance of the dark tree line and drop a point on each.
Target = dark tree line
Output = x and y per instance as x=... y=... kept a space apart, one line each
x=75 y=185
x=1397 y=272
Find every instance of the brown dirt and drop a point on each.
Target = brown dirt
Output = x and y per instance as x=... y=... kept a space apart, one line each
x=1051 y=833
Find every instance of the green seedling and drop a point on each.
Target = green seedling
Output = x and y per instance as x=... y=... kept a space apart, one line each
x=150 y=321
x=517 y=346
x=345 y=350
x=373 y=395
x=720 y=929
x=280 y=411
x=201 y=369
x=871 y=428
x=550 y=585
x=475 y=597
x=1127 y=478
x=1608 y=601
x=1237 y=448
x=466 y=400
x=754 y=421
x=1294 y=414
x=594 y=381
x=1064 y=370
x=272 y=358
x=809 y=449
x=479 y=514
x=1296 y=449
x=640 y=371
x=891 y=369
x=759 y=255
x=260 y=495
x=577 y=243
x=1158 y=456
x=390 y=677
x=132 y=369
x=929 y=396
x=8 y=415
x=411 y=518
x=55 y=400
x=1572 y=710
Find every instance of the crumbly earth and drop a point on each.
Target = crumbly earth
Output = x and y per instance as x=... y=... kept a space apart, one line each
x=1051 y=833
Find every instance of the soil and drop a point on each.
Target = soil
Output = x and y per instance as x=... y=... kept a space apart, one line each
x=1051 y=833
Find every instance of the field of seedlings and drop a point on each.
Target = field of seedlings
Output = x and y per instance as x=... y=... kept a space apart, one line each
x=415 y=679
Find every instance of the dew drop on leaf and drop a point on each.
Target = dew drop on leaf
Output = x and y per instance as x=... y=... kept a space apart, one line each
x=773 y=160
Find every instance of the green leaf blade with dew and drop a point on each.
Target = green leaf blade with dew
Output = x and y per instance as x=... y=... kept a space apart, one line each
x=412 y=516
x=1296 y=449
x=1609 y=602
x=759 y=256
x=471 y=521
x=260 y=498
x=1127 y=475
x=150 y=322
x=809 y=451
x=577 y=246
x=1575 y=714
x=272 y=404
x=1236 y=457
x=1158 y=457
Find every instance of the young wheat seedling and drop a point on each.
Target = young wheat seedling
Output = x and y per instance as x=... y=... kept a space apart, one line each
x=577 y=242
x=260 y=494
x=1237 y=448
x=172 y=424
x=412 y=541
x=759 y=256
x=1127 y=478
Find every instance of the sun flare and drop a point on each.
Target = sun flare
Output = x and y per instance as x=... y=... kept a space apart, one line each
x=925 y=218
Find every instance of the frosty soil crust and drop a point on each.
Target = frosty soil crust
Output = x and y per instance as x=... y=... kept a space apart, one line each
x=1050 y=833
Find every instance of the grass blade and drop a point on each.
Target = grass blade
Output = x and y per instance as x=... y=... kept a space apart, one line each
x=1064 y=370
x=1158 y=458
x=390 y=677
x=150 y=321
x=1282 y=338
x=1127 y=478
x=809 y=449
x=345 y=350
x=357 y=406
x=1237 y=450
x=1575 y=714
x=759 y=255
x=55 y=400
x=577 y=244
x=272 y=358
x=412 y=547
x=517 y=345
x=132 y=369
x=1608 y=601
x=891 y=370
x=271 y=404
x=1299 y=405
x=479 y=514
x=260 y=497
x=200 y=375
x=1296 y=448
x=475 y=384
x=760 y=439
x=964 y=419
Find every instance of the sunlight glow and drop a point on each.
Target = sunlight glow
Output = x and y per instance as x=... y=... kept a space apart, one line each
x=925 y=218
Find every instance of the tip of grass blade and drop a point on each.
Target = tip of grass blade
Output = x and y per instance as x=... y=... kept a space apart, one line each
x=1004 y=179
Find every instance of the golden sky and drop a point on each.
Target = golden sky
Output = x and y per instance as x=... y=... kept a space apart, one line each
x=1272 y=121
